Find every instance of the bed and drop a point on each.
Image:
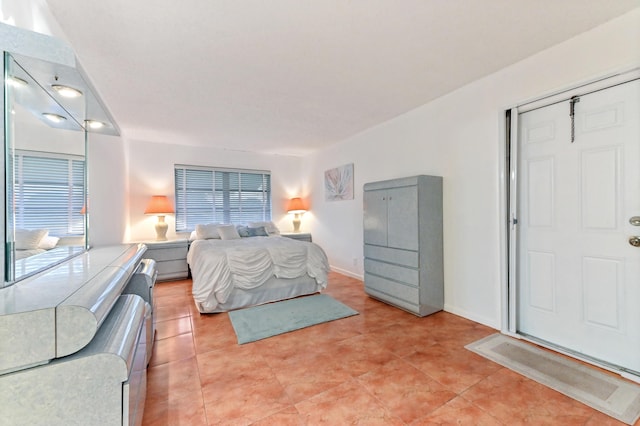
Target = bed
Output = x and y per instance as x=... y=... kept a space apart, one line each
x=31 y=242
x=240 y=272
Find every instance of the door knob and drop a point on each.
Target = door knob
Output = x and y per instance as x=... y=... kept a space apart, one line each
x=634 y=241
x=634 y=220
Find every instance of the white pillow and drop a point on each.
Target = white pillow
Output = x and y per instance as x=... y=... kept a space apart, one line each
x=193 y=236
x=228 y=232
x=48 y=242
x=208 y=231
x=29 y=239
x=269 y=226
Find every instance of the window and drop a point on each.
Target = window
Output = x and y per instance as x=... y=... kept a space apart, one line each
x=49 y=192
x=206 y=195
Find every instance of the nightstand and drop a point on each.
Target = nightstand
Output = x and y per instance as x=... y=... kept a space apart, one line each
x=299 y=236
x=170 y=257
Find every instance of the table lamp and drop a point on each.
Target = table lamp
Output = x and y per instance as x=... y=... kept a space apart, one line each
x=159 y=205
x=297 y=208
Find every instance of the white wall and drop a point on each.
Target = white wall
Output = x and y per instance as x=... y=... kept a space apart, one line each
x=459 y=136
x=107 y=189
x=151 y=173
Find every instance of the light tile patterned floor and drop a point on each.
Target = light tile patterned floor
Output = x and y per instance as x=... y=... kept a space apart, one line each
x=382 y=367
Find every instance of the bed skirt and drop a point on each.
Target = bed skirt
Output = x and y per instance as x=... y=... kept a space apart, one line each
x=272 y=290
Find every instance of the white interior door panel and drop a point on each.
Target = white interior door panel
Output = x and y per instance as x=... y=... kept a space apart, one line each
x=578 y=277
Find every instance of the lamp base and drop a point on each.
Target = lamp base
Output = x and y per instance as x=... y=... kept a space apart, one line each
x=161 y=229
x=296 y=222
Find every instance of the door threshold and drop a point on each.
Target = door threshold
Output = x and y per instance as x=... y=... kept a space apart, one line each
x=631 y=375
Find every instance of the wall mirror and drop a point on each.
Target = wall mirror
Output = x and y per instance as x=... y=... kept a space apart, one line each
x=49 y=114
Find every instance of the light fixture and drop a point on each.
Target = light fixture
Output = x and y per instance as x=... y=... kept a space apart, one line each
x=159 y=205
x=297 y=208
x=17 y=81
x=94 y=124
x=54 y=118
x=66 y=91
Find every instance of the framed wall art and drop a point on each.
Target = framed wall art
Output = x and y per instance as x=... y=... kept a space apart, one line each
x=338 y=183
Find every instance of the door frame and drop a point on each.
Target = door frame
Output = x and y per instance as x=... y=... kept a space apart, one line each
x=508 y=173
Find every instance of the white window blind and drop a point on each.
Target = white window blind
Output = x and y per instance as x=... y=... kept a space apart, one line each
x=49 y=192
x=207 y=195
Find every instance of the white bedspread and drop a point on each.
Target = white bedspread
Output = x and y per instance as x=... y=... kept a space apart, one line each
x=219 y=266
x=23 y=254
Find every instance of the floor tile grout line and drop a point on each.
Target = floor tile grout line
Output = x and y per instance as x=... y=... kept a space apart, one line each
x=382 y=403
x=462 y=395
x=292 y=405
x=477 y=406
x=195 y=356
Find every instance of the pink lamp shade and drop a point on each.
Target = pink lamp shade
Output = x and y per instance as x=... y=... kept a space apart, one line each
x=296 y=206
x=160 y=206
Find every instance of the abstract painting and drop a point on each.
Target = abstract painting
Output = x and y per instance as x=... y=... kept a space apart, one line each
x=338 y=183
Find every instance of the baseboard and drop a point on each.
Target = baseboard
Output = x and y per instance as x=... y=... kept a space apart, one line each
x=448 y=308
x=347 y=273
x=475 y=318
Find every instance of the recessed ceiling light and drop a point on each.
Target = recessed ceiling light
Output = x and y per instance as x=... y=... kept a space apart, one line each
x=17 y=81
x=54 y=118
x=66 y=91
x=94 y=124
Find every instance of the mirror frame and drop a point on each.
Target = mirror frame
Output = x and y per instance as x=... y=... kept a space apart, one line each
x=29 y=135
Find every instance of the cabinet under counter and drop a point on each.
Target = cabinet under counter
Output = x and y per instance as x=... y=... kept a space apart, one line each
x=75 y=349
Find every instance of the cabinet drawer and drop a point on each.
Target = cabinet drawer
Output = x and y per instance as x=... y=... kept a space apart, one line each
x=170 y=266
x=392 y=288
x=170 y=253
x=401 y=257
x=172 y=276
x=395 y=272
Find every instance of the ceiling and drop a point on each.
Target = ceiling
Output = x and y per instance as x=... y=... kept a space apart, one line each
x=292 y=76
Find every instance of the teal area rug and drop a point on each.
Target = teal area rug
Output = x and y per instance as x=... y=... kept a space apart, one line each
x=260 y=322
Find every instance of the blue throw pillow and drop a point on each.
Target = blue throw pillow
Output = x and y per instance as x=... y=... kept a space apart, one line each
x=243 y=231
x=258 y=232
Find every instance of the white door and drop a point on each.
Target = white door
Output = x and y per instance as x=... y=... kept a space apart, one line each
x=578 y=277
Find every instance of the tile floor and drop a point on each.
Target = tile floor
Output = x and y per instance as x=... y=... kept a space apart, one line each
x=382 y=367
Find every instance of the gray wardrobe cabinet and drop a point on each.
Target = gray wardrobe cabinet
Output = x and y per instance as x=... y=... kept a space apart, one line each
x=403 y=243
